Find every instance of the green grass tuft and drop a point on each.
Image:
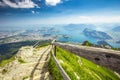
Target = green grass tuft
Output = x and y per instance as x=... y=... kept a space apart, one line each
x=26 y=77
x=4 y=71
x=21 y=60
x=114 y=48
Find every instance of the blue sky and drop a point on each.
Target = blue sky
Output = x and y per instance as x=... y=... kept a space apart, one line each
x=58 y=11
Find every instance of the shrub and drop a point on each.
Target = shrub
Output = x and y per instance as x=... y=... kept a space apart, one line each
x=87 y=43
x=4 y=71
x=21 y=60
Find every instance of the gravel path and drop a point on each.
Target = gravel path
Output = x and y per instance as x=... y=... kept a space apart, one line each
x=33 y=68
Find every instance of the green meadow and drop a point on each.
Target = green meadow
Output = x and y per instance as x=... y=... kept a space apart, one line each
x=79 y=68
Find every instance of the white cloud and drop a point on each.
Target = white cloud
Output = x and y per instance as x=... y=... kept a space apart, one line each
x=2 y=4
x=19 y=4
x=76 y=19
x=33 y=12
x=99 y=19
x=53 y=2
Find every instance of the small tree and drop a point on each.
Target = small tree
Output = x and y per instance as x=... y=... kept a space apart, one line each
x=87 y=43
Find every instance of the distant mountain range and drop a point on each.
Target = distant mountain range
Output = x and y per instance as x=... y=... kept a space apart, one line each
x=64 y=32
x=104 y=43
x=118 y=42
x=80 y=27
x=96 y=34
x=116 y=29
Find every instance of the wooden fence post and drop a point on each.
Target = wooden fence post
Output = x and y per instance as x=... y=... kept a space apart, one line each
x=55 y=50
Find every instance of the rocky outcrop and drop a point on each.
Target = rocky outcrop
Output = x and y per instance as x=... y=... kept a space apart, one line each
x=25 y=52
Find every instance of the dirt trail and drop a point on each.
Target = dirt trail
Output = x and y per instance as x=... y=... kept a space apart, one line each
x=34 y=66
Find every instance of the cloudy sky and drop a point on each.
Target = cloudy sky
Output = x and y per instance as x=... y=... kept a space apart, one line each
x=59 y=11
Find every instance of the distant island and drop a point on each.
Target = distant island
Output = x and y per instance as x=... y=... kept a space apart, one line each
x=117 y=29
x=118 y=42
x=96 y=34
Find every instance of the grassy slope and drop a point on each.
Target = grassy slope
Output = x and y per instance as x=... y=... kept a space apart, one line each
x=80 y=68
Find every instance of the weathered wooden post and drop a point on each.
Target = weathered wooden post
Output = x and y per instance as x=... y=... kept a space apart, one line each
x=54 y=47
x=55 y=50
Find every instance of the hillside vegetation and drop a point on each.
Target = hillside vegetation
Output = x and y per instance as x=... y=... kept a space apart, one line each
x=79 y=68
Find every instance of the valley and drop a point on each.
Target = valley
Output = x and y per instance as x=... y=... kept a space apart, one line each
x=77 y=33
